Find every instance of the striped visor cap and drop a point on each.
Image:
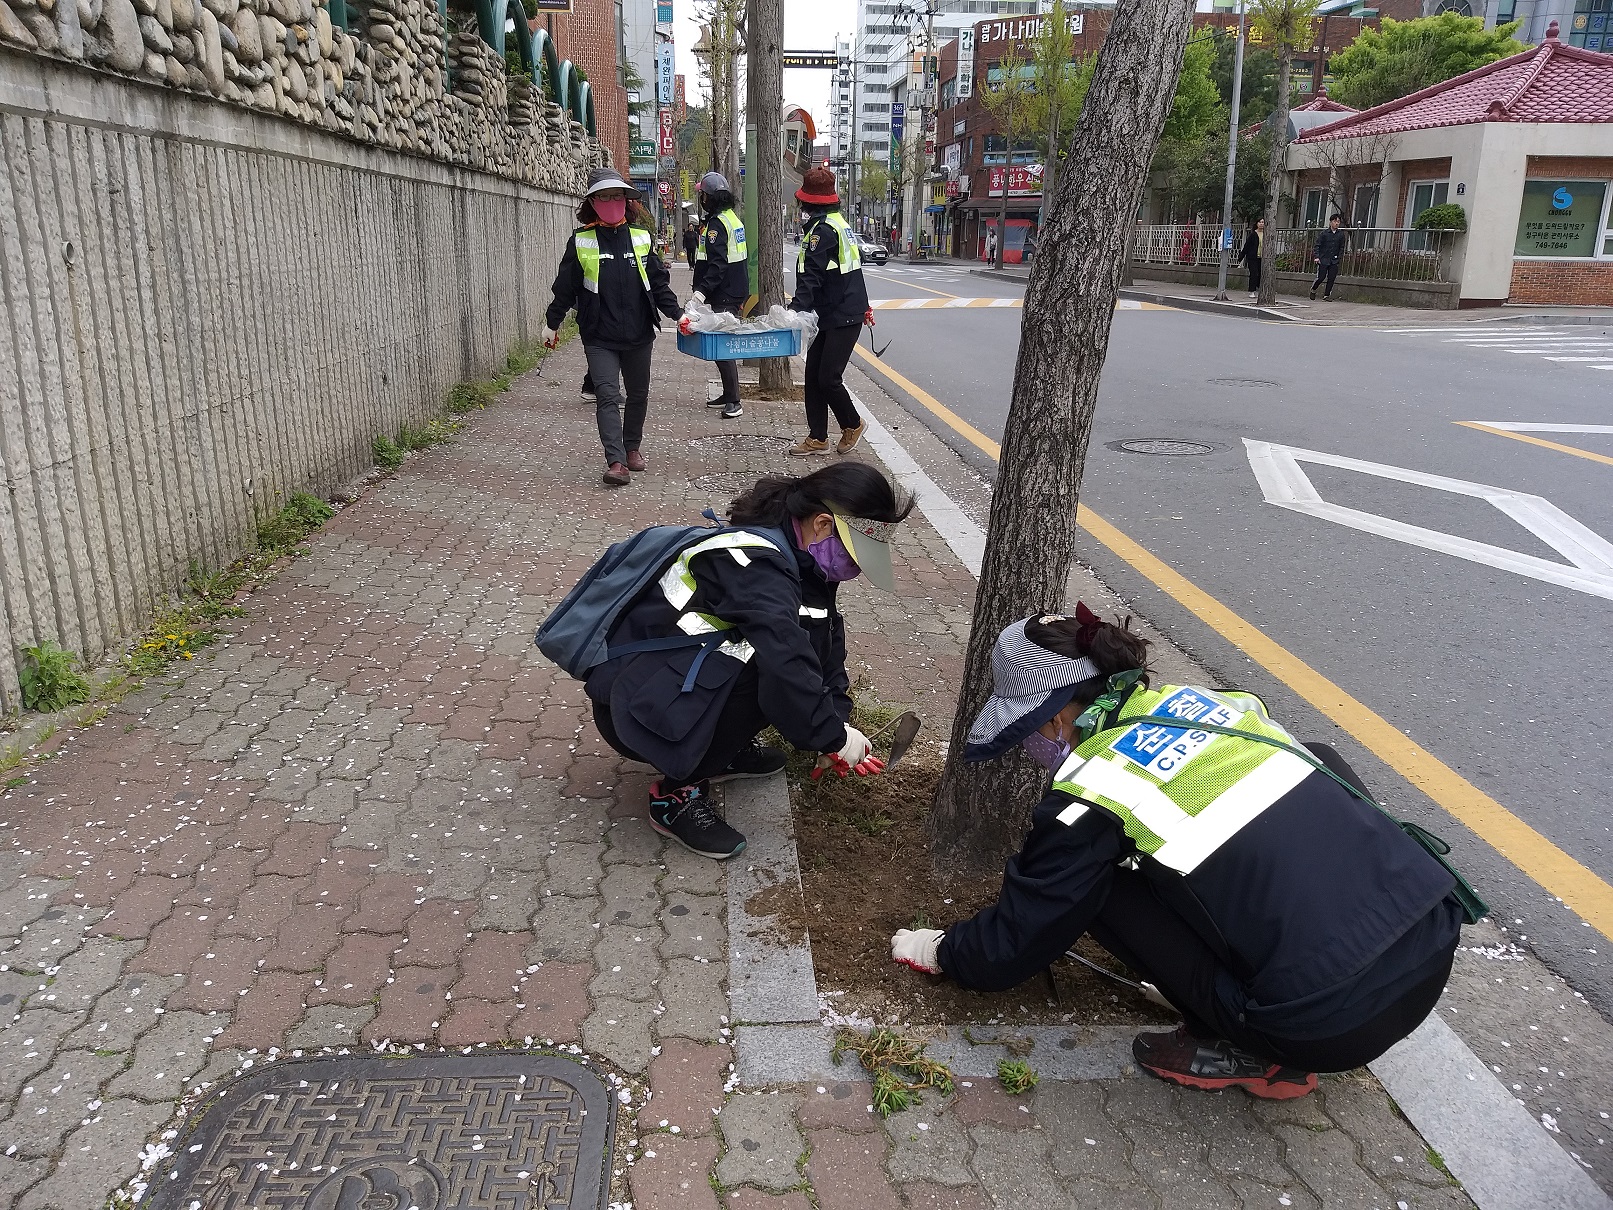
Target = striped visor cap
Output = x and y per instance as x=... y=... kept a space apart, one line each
x=869 y=544
x=1029 y=684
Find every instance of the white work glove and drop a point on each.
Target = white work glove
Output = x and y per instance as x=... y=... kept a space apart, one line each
x=698 y=297
x=855 y=756
x=551 y=338
x=917 y=948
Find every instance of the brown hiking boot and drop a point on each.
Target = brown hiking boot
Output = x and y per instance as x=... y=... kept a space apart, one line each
x=616 y=475
x=635 y=461
x=849 y=438
x=808 y=447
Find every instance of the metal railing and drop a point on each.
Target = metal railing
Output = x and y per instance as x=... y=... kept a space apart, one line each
x=1380 y=253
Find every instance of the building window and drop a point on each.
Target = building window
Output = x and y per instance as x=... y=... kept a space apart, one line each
x=1314 y=211
x=876 y=127
x=1424 y=194
x=867 y=108
x=1565 y=218
x=1592 y=25
x=1364 y=211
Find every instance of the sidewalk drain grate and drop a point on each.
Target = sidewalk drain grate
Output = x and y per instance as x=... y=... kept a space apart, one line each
x=1242 y=382
x=433 y=1132
x=1165 y=448
x=740 y=443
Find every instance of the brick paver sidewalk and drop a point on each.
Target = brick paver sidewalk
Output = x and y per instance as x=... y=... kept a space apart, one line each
x=375 y=814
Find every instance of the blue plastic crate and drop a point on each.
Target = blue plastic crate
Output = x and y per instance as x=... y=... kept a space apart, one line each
x=730 y=346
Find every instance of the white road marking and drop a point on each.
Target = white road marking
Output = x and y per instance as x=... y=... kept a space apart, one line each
x=1284 y=484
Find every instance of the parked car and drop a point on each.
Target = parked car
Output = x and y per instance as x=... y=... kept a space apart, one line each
x=873 y=250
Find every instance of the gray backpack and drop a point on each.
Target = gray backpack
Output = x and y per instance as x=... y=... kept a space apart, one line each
x=576 y=635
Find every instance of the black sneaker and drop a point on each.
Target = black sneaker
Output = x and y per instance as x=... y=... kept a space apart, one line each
x=1180 y=1058
x=733 y=411
x=1313 y=295
x=587 y=392
x=718 y=402
x=685 y=814
x=752 y=761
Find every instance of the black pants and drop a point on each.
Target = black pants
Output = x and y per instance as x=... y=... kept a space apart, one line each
x=1254 y=275
x=728 y=371
x=825 y=386
x=740 y=722
x=620 y=413
x=1152 y=939
x=1327 y=271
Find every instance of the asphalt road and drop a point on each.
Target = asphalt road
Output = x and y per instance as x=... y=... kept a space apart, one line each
x=1496 y=673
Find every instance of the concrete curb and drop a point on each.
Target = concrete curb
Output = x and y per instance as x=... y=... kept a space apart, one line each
x=1210 y=305
x=1502 y=1156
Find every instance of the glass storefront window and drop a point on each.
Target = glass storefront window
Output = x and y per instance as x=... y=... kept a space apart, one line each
x=1562 y=218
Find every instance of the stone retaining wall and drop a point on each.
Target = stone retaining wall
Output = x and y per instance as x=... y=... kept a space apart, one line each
x=207 y=306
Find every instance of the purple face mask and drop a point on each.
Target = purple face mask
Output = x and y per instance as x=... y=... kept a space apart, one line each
x=832 y=557
x=1049 y=753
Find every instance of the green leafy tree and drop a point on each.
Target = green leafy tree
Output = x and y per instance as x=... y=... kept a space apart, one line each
x=1196 y=109
x=1059 y=85
x=1404 y=56
x=1284 y=26
x=873 y=181
x=1259 y=75
x=1011 y=102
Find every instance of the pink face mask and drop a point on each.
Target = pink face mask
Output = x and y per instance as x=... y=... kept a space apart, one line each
x=612 y=211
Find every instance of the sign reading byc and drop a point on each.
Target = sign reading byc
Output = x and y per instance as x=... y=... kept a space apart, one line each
x=1560 y=218
x=669 y=144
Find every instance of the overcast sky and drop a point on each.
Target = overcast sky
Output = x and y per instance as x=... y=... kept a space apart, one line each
x=808 y=25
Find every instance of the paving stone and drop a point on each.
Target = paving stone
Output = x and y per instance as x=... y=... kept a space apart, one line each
x=265 y=1015
x=1325 y=1161
x=563 y=928
x=755 y=1199
x=330 y=1025
x=1254 y=1195
x=686 y=1086
x=634 y=842
x=1142 y=1099
x=384 y=905
x=85 y=974
x=471 y=1022
x=1173 y=1161
x=413 y=1004
x=928 y=1144
x=985 y=1101
x=689 y=872
x=1014 y=1165
x=1389 y=1148
x=844 y=1105
x=631 y=897
x=262 y=908
x=628 y=964
x=356 y=971
x=436 y=933
x=508 y=901
x=221 y=976
x=492 y=965
x=1085 y=1193
x=307 y=942
x=762 y=1143
x=17 y=1175
x=125 y=1012
x=552 y=1002
x=696 y=926
x=574 y=869
x=696 y=1004
x=675 y=1179
x=97 y=1157
x=619 y=1031
x=166 y=1057
x=1083 y=1143
x=921 y=1195
x=147 y=900
x=847 y=1171
x=1239 y=1145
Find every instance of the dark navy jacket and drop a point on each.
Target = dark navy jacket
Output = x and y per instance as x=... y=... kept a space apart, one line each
x=622 y=315
x=725 y=283
x=800 y=660
x=839 y=298
x=1322 y=911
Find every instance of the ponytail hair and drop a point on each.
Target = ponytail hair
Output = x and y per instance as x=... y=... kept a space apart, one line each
x=1111 y=646
x=850 y=488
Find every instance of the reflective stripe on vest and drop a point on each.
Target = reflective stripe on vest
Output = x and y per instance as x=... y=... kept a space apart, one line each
x=678 y=586
x=737 y=250
x=589 y=256
x=850 y=255
x=1180 y=793
x=812 y=611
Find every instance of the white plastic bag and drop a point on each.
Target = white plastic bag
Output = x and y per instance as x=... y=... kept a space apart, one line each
x=702 y=318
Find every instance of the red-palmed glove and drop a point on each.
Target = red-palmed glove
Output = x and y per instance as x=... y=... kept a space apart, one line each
x=855 y=756
x=868 y=317
x=551 y=338
x=686 y=326
x=918 y=948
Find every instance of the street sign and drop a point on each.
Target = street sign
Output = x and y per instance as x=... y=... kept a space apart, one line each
x=1226 y=237
x=896 y=124
x=663 y=74
x=809 y=58
x=642 y=149
x=966 y=64
x=552 y=6
x=1023 y=181
x=663 y=12
x=898 y=109
x=669 y=145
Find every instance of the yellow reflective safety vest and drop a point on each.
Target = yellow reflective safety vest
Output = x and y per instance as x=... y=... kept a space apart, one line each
x=1181 y=793
x=849 y=254
x=677 y=584
x=589 y=256
x=737 y=249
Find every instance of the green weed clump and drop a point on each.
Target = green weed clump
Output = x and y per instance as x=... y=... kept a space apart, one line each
x=1016 y=1077
x=898 y=1065
x=50 y=678
x=301 y=515
x=433 y=432
x=387 y=454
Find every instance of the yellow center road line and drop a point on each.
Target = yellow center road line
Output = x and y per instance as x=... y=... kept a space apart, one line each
x=1550 y=445
x=1533 y=853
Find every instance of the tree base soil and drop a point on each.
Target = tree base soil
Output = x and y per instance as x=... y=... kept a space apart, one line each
x=866 y=871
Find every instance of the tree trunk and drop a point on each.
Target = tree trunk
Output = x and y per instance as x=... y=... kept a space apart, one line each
x=764 y=86
x=1274 y=180
x=981 y=810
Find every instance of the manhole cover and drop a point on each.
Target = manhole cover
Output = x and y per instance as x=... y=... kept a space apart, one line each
x=739 y=443
x=435 y=1132
x=727 y=485
x=1164 y=447
x=1242 y=382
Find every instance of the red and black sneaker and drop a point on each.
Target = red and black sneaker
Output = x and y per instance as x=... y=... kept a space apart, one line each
x=1194 y=1063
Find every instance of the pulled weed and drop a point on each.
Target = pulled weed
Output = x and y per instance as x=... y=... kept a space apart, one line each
x=1016 y=1077
x=898 y=1065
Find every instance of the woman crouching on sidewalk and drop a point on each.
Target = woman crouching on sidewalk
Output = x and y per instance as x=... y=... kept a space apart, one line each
x=617 y=283
x=769 y=581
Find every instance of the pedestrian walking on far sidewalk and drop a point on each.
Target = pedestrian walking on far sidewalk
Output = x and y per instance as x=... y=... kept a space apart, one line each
x=620 y=289
x=722 y=274
x=1254 y=247
x=829 y=280
x=691 y=242
x=1329 y=251
x=767 y=585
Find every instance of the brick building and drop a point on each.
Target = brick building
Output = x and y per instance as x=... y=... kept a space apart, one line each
x=591 y=37
x=1524 y=145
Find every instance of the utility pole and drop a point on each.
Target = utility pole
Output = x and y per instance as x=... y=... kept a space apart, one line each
x=1232 y=163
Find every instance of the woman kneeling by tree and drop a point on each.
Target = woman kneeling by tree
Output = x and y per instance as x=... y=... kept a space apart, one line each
x=1295 y=926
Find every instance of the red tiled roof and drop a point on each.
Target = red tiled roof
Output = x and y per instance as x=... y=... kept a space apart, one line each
x=1551 y=82
x=1321 y=102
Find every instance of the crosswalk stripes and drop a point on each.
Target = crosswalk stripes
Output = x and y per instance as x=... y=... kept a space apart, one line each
x=1564 y=344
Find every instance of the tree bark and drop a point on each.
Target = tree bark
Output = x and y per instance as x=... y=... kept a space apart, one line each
x=980 y=810
x=764 y=85
x=1274 y=180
